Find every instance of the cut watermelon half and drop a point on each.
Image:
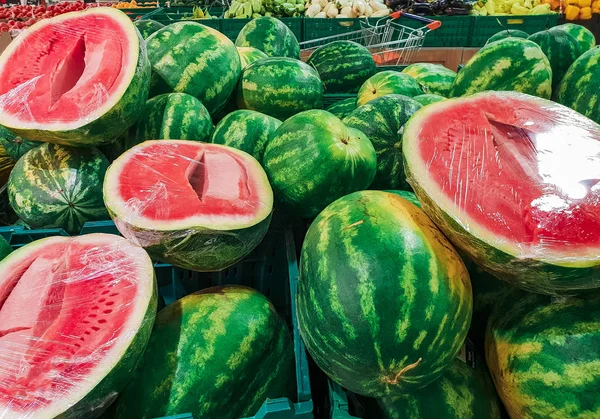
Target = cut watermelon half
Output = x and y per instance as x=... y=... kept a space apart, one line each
x=79 y=79
x=75 y=318
x=195 y=205
x=513 y=181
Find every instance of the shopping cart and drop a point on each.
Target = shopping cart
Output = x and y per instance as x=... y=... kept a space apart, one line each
x=390 y=42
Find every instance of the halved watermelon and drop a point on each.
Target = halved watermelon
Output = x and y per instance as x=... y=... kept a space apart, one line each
x=79 y=79
x=75 y=317
x=195 y=205
x=514 y=181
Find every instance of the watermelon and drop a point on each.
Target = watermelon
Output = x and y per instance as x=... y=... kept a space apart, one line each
x=6 y=165
x=343 y=107
x=269 y=35
x=428 y=98
x=280 y=87
x=584 y=36
x=191 y=58
x=223 y=351
x=14 y=145
x=174 y=116
x=579 y=87
x=490 y=171
x=512 y=64
x=387 y=83
x=384 y=301
x=342 y=65
x=543 y=355
x=462 y=392
x=434 y=78
x=147 y=27
x=409 y=196
x=313 y=159
x=76 y=317
x=5 y=248
x=59 y=186
x=248 y=55
x=382 y=120
x=507 y=33
x=560 y=48
x=80 y=87
x=197 y=206
x=246 y=130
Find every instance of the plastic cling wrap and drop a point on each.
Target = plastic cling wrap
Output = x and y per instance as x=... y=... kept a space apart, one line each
x=75 y=317
x=513 y=181
x=197 y=206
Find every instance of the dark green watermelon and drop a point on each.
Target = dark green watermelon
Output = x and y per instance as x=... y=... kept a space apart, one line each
x=5 y=248
x=147 y=27
x=16 y=145
x=507 y=33
x=269 y=35
x=428 y=99
x=343 y=107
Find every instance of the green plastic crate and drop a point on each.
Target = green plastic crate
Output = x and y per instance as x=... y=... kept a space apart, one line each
x=271 y=268
x=455 y=31
x=486 y=26
x=231 y=27
x=317 y=28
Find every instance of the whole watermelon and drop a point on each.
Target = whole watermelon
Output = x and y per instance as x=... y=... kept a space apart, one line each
x=409 y=196
x=384 y=301
x=280 y=87
x=269 y=35
x=511 y=64
x=434 y=78
x=507 y=33
x=14 y=145
x=174 y=116
x=560 y=48
x=382 y=120
x=342 y=107
x=5 y=248
x=147 y=27
x=246 y=130
x=342 y=65
x=584 y=36
x=59 y=186
x=387 y=83
x=190 y=58
x=543 y=355
x=313 y=159
x=248 y=55
x=428 y=99
x=218 y=354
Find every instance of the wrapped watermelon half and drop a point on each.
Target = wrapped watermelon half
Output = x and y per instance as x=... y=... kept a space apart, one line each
x=75 y=318
x=514 y=182
x=78 y=79
x=197 y=206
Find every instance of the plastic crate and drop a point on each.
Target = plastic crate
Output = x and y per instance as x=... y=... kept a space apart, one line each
x=455 y=31
x=231 y=27
x=486 y=26
x=316 y=28
x=271 y=268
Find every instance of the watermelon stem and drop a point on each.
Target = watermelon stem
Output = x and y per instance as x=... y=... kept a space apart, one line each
x=354 y=224
x=409 y=367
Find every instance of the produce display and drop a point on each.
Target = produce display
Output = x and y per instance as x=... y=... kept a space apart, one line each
x=512 y=7
x=346 y=9
x=246 y=9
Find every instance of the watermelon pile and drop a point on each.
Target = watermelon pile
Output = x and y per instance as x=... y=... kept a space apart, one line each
x=450 y=264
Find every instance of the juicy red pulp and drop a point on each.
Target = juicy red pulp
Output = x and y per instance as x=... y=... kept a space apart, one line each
x=64 y=71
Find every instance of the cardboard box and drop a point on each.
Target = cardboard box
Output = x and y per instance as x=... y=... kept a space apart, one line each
x=5 y=40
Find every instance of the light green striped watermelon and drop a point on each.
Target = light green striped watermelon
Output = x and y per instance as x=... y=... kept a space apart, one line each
x=507 y=33
x=343 y=107
x=543 y=355
x=342 y=65
x=387 y=83
x=560 y=48
x=14 y=145
x=313 y=159
x=269 y=35
x=511 y=64
x=248 y=55
x=428 y=99
x=409 y=196
x=435 y=78
x=174 y=116
x=584 y=36
x=382 y=120
x=147 y=27
x=280 y=87
x=462 y=392
x=246 y=130
x=5 y=248
x=80 y=87
x=384 y=301
x=579 y=88
x=191 y=58
x=58 y=186
x=218 y=354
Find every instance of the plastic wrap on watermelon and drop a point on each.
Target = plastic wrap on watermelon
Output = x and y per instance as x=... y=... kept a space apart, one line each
x=514 y=182
x=197 y=206
x=75 y=317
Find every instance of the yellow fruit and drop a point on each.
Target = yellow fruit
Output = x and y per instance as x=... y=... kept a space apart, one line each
x=585 y=13
x=571 y=12
x=585 y=3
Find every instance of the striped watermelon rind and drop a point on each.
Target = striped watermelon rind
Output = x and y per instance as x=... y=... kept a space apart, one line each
x=343 y=107
x=14 y=145
x=583 y=35
x=342 y=65
x=386 y=83
x=435 y=78
x=248 y=55
x=428 y=99
x=271 y=36
x=5 y=248
x=384 y=301
x=510 y=64
x=507 y=33
x=147 y=27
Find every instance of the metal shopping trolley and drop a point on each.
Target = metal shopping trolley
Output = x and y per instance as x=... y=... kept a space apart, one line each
x=389 y=41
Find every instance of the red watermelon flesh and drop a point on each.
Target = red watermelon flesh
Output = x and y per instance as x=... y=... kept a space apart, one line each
x=70 y=310
x=517 y=173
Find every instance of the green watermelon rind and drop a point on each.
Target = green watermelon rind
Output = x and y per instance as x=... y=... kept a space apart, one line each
x=583 y=35
x=5 y=248
x=147 y=27
x=507 y=33
x=271 y=36
x=342 y=108
x=386 y=83
x=435 y=78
